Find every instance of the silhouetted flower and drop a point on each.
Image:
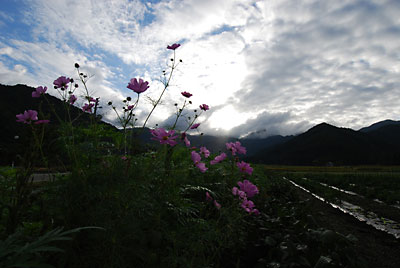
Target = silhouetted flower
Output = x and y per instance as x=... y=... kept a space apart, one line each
x=195 y=126
x=61 y=82
x=204 y=107
x=173 y=47
x=72 y=99
x=186 y=94
x=87 y=107
x=138 y=86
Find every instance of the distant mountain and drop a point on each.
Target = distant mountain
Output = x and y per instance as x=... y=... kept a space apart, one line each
x=378 y=125
x=217 y=143
x=327 y=144
x=322 y=144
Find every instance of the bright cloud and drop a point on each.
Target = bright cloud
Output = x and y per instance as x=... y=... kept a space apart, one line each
x=261 y=65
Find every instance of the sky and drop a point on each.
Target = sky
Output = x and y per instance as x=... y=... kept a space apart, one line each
x=263 y=66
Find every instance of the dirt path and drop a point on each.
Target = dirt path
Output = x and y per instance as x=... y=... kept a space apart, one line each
x=379 y=249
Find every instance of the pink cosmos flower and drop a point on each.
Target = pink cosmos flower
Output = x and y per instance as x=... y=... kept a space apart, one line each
x=163 y=136
x=187 y=142
x=130 y=107
x=173 y=47
x=72 y=99
x=138 y=87
x=244 y=167
x=186 y=94
x=124 y=158
x=202 y=167
x=87 y=107
x=42 y=122
x=185 y=139
x=248 y=205
x=39 y=91
x=235 y=148
x=27 y=117
x=218 y=159
x=249 y=188
x=217 y=205
x=196 y=158
x=204 y=107
x=195 y=126
x=205 y=152
x=61 y=82
x=241 y=194
x=239 y=148
x=255 y=212
x=231 y=147
x=208 y=197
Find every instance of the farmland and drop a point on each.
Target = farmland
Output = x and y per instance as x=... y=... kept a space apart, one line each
x=369 y=193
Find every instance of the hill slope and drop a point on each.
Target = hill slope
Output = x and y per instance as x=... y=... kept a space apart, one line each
x=325 y=144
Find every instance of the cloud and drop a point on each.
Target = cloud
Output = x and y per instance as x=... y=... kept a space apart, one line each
x=330 y=61
x=269 y=124
x=258 y=64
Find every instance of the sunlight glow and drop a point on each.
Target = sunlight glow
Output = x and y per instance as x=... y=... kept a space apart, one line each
x=227 y=118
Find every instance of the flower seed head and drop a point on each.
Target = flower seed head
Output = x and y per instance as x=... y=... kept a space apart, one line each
x=128 y=98
x=76 y=65
x=109 y=103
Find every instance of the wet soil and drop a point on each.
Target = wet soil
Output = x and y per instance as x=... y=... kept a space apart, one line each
x=377 y=248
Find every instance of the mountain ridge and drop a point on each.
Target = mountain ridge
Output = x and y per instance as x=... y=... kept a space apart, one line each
x=319 y=145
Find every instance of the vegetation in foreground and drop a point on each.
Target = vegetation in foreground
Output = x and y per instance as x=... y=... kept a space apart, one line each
x=172 y=206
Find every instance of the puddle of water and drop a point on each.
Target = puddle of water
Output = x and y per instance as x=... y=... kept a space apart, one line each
x=336 y=188
x=370 y=218
x=353 y=193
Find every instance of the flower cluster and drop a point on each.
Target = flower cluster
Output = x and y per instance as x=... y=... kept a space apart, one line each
x=245 y=191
